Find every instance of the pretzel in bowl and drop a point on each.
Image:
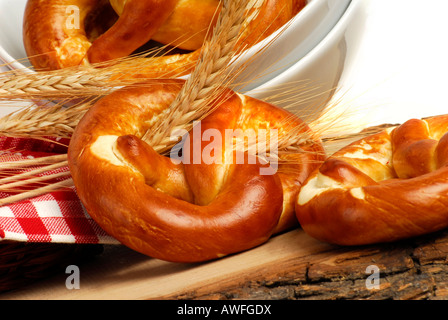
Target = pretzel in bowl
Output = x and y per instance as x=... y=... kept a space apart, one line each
x=389 y=186
x=66 y=33
x=190 y=210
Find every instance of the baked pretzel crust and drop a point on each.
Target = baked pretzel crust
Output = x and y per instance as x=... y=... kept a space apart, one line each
x=389 y=186
x=189 y=211
x=52 y=41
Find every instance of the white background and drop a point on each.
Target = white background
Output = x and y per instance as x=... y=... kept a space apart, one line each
x=400 y=69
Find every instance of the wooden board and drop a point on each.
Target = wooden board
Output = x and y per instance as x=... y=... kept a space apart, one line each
x=289 y=266
x=120 y=273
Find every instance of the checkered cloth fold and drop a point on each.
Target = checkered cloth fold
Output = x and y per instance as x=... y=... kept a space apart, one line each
x=56 y=217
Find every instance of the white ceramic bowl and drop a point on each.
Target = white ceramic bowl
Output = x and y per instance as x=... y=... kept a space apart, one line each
x=304 y=32
x=307 y=85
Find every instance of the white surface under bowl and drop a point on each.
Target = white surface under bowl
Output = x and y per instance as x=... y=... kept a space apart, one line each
x=302 y=34
x=12 y=51
x=306 y=87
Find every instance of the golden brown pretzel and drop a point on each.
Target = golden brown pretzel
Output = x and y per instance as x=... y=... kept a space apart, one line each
x=389 y=186
x=53 y=40
x=189 y=211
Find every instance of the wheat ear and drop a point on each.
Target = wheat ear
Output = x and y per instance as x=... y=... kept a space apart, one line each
x=18 y=85
x=37 y=192
x=80 y=81
x=193 y=101
x=36 y=121
x=12 y=182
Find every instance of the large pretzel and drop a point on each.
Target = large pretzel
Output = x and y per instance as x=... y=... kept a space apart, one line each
x=57 y=34
x=193 y=210
x=389 y=186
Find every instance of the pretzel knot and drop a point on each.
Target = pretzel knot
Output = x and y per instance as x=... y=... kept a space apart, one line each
x=389 y=186
x=194 y=209
x=66 y=33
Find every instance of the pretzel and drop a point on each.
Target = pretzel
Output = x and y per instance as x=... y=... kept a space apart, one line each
x=185 y=211
x=66 y=33
x=389 y=186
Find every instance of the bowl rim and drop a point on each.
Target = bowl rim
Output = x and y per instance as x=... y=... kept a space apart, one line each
x=314 y=54
x=302 y=19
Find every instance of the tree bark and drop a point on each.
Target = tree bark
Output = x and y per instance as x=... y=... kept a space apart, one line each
x=415 y=269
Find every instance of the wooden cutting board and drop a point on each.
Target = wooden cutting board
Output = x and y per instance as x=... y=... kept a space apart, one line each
x=289 y=266
x=120 y=273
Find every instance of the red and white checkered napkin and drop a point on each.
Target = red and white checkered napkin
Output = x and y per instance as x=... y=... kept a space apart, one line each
x=56 y=217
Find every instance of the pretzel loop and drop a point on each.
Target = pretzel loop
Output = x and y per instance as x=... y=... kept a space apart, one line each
x=107 y=30
x=193 y=210
x=389 y=186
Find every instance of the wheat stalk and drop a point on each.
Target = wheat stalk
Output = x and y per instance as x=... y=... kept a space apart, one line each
x=15 y=85
x=209 y=75
x=80 y=81
x=50 y=160
x=36 y=121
